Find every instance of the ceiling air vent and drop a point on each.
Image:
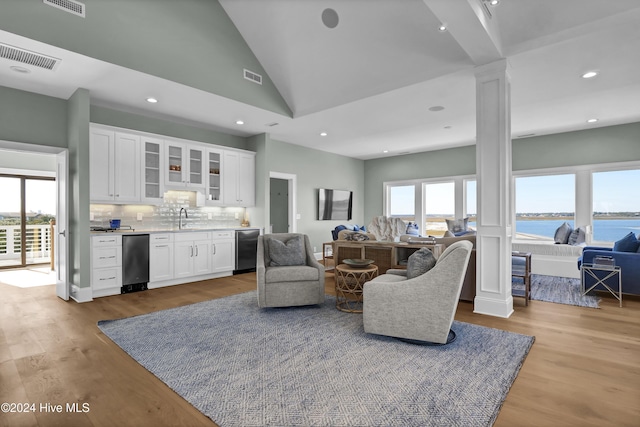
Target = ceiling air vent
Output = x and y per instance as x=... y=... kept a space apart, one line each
x=70 y=6
x=29 y=58
x=254 y=77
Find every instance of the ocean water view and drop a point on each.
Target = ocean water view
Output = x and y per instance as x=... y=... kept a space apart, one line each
x=604 y=230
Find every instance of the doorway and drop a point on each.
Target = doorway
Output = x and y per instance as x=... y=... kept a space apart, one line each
x=282 y=202
x=27 y=215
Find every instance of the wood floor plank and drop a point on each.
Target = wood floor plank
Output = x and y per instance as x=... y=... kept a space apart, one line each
x=583 y=369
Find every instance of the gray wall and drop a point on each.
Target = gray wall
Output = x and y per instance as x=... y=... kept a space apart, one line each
x=192 y=42
x=314 y=169
x=594 y=146
x=27 y=161
x=141 y=123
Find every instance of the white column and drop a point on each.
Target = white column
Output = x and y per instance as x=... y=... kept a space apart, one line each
x=493 y=171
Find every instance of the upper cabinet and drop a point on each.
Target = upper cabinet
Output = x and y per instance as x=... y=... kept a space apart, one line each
x=114 y=167
x=134 y=167
x=152 y=170
x=184 y=166
x=239 y=178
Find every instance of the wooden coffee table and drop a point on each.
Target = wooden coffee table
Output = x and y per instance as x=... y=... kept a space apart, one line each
x=349 y=282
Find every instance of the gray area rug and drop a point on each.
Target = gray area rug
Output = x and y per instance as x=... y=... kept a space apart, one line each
x=561 y=290
x=303 y=366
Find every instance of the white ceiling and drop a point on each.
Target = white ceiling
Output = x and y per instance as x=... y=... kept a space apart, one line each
x=370 y=81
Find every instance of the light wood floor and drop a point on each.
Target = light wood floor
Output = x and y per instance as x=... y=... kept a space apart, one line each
x=583 y=370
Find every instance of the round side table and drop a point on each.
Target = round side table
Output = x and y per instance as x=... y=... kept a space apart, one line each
x=349 y=282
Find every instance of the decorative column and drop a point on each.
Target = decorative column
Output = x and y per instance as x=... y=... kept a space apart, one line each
x=494 y=181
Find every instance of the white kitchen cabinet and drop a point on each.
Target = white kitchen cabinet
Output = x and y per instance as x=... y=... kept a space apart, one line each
x=239 y=178
x=215 y=181
x=184 y=166
x=114 y=166
x=160 y=257
x=106 y=264
x=152 y=190
x=192 y=254
x=223 y=251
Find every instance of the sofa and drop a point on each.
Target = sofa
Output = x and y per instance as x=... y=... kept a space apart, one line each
x=629 y=263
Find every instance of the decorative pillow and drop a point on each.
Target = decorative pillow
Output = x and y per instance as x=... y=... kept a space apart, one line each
x=412 y=228
x=577 y=237
x=448 y=234
x=291 y=252
x=562 y=233
x=457 y=225
x=420 y=262
x=628 y=243
x=356 y=236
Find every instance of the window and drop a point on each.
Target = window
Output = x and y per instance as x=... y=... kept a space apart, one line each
x=439 y=205
x=616 y=204
x=402 y=202
x=543 y=203
x=470 y=202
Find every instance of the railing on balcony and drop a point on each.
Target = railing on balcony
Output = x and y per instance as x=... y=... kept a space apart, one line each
x=37 y=248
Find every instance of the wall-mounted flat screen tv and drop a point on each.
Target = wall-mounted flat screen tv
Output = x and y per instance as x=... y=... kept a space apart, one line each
x=334 y=204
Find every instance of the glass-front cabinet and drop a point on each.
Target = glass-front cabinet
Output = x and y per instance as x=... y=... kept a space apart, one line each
x=214 y=177
x=184 y=166
x=153 y=185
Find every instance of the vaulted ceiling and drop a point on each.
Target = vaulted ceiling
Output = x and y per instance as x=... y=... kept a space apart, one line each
x=371 y=82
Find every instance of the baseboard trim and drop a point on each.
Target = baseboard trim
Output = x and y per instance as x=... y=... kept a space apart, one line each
x=493 y=307
x=81 y=294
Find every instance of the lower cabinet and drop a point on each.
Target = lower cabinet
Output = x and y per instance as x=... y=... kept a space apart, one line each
x=160 y=257
x=106 y=265
x=192 y=254
x=223 y=251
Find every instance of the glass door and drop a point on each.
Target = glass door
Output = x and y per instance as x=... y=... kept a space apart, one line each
x=152 y=170
x=175 y=164
x=214 y=176
x=11 y=220
x=196 y=163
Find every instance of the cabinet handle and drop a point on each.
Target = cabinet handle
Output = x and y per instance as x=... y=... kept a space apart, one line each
x=191 y=251
x=214 y=248
x=196 y=250
x=107 y=241
x=106 y=257
x=107 y=278
x=161 y=246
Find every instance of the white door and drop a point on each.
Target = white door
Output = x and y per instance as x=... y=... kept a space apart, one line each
x=62 y=223
x=127 y=168
x=161 y=262
x=223 y=255
x=183 y=259
x=201 y=257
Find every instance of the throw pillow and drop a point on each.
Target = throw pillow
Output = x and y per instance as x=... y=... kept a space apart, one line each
x=562 y=233
x=420 y=262
x=448 y=234
x=291 y=252
x=628 y=243
x=577 y=236
x=457 y=225
x=356 y=236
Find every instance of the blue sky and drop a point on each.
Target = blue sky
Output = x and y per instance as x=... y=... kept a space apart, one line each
x=41 y=195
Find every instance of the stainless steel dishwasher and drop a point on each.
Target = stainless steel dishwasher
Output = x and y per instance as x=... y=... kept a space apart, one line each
x=246 y=250
x=135 y=262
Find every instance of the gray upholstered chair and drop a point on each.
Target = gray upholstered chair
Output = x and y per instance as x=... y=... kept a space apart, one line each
x=288 y=273
x=421 y=308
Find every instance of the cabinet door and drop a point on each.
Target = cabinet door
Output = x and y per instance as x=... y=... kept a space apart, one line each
x=175 y=166
x=196 y=167
x=247 y=179
x=183 y=259
x=202 y=257
x=127 y=168
x=223 y=255
x=152 y=190
x=161 y=262
x=213 y=171
x=230 y=190
x=101 y=170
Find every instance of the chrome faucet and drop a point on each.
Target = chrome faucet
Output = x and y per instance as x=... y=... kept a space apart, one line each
x=186 y=215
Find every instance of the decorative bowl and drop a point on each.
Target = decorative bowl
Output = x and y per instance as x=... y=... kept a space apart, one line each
x=358 y=263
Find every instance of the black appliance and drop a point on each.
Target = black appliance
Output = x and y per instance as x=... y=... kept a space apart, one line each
x=135 y=263
x=246 y=250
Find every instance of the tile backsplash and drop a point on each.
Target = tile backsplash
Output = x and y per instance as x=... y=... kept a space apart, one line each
x=165 y=216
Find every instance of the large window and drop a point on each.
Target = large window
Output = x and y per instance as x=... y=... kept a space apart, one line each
x=470 y=202
x=439 y=205
x=402 y=202
x=543 y=203
x=616 y=204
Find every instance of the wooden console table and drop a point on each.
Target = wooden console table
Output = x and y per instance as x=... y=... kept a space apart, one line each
x=385 y=255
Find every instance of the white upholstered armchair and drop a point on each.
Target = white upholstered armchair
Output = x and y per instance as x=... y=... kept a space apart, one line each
x=421 y=308
x=287 y=272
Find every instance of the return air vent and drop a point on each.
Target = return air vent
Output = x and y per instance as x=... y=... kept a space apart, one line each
x=254 y=77
x=29 y=58
x=70 y=6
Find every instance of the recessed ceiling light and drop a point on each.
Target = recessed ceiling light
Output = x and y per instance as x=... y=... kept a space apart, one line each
x=323 y=134
x=448 y=127
x=494 y=2
x=436 y=108
x=442 y=28
x=589 y=74
x=152 y=100
x=239 y=122
x=592 y=120
x=385 y=151
x=18 y=69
